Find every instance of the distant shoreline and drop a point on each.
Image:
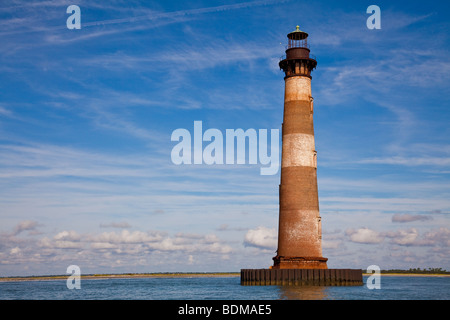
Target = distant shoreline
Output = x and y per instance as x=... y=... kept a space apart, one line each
x=412 y=274
x=125 y=276
x=176 y=275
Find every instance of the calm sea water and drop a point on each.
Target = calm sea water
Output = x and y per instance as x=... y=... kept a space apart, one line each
x=227 y=288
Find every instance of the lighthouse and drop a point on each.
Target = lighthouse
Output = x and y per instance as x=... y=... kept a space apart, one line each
x=299 y=228
x=299 y=260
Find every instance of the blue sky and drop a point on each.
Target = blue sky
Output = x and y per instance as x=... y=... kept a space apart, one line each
x=86 y=118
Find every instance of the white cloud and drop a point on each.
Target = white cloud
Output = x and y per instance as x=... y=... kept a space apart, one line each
x=386 y=204
x=331 y=244
x=127 y=236
x=364 y=235
x=25 y=225
x=62 y=240
x=434 y=238
x=404 y=237
x=411 y=237
x=409 y=161
x=261 y=237
x=67 y=235
x=409 y=217
x=217 y=247
x=119 y=225
x=440 y=237
x=103 y=245
x=136 y=18
x=106 y=248
x=15 y=250
x=5 y=112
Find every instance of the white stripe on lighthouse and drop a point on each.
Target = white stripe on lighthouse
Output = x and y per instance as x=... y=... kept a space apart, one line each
x=297 y=88
x=298 y=150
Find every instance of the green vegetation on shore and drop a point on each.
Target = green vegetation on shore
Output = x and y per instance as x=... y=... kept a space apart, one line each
x=417 y=271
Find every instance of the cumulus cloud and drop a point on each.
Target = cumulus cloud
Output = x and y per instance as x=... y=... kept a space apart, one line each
x=364 y=235
x=15 y=250
x=439 y=237
x=331 y=244
x=26 y=225
x=226 y=227
x=410 y=237
x=409 y=217
x=261 y=237
x=62 y=240
x=106 y=248
x=119 y=225
x=404 y=237
x=126 y=236
x=67 y=236
x=127 y=241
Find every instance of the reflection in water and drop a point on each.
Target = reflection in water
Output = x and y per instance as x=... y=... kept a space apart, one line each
x=303 y=292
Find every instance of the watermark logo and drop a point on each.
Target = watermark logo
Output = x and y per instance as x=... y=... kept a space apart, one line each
x=374 y=21
x=73 y=281
x=74 y=21
x=374 y=281
x=190 y=150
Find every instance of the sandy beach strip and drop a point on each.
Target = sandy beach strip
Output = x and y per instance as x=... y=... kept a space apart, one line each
x=124 y=276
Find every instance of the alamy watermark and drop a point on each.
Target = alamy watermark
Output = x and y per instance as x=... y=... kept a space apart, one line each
x=374 y=280
x=74 y=280
x=190 y=148
x=374 y=21
x=74 y=20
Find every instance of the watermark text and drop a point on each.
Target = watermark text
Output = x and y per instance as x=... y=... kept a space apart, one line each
x=74 y=280
x=374 y=281
x=73 y=21
x=190 y=148
x=374 y=21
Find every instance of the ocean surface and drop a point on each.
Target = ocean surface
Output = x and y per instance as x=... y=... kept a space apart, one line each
x=223 y=288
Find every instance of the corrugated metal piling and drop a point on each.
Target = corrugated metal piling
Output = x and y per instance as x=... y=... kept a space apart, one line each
x=301 y=277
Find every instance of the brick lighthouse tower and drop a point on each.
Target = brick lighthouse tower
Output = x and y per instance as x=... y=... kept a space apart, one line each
x=299 y=229
x=299 y=258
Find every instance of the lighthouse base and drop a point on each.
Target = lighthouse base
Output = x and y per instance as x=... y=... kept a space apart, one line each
x=301 y=277
x=281 y=262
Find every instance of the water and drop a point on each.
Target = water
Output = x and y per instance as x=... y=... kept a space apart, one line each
x=223 y=288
